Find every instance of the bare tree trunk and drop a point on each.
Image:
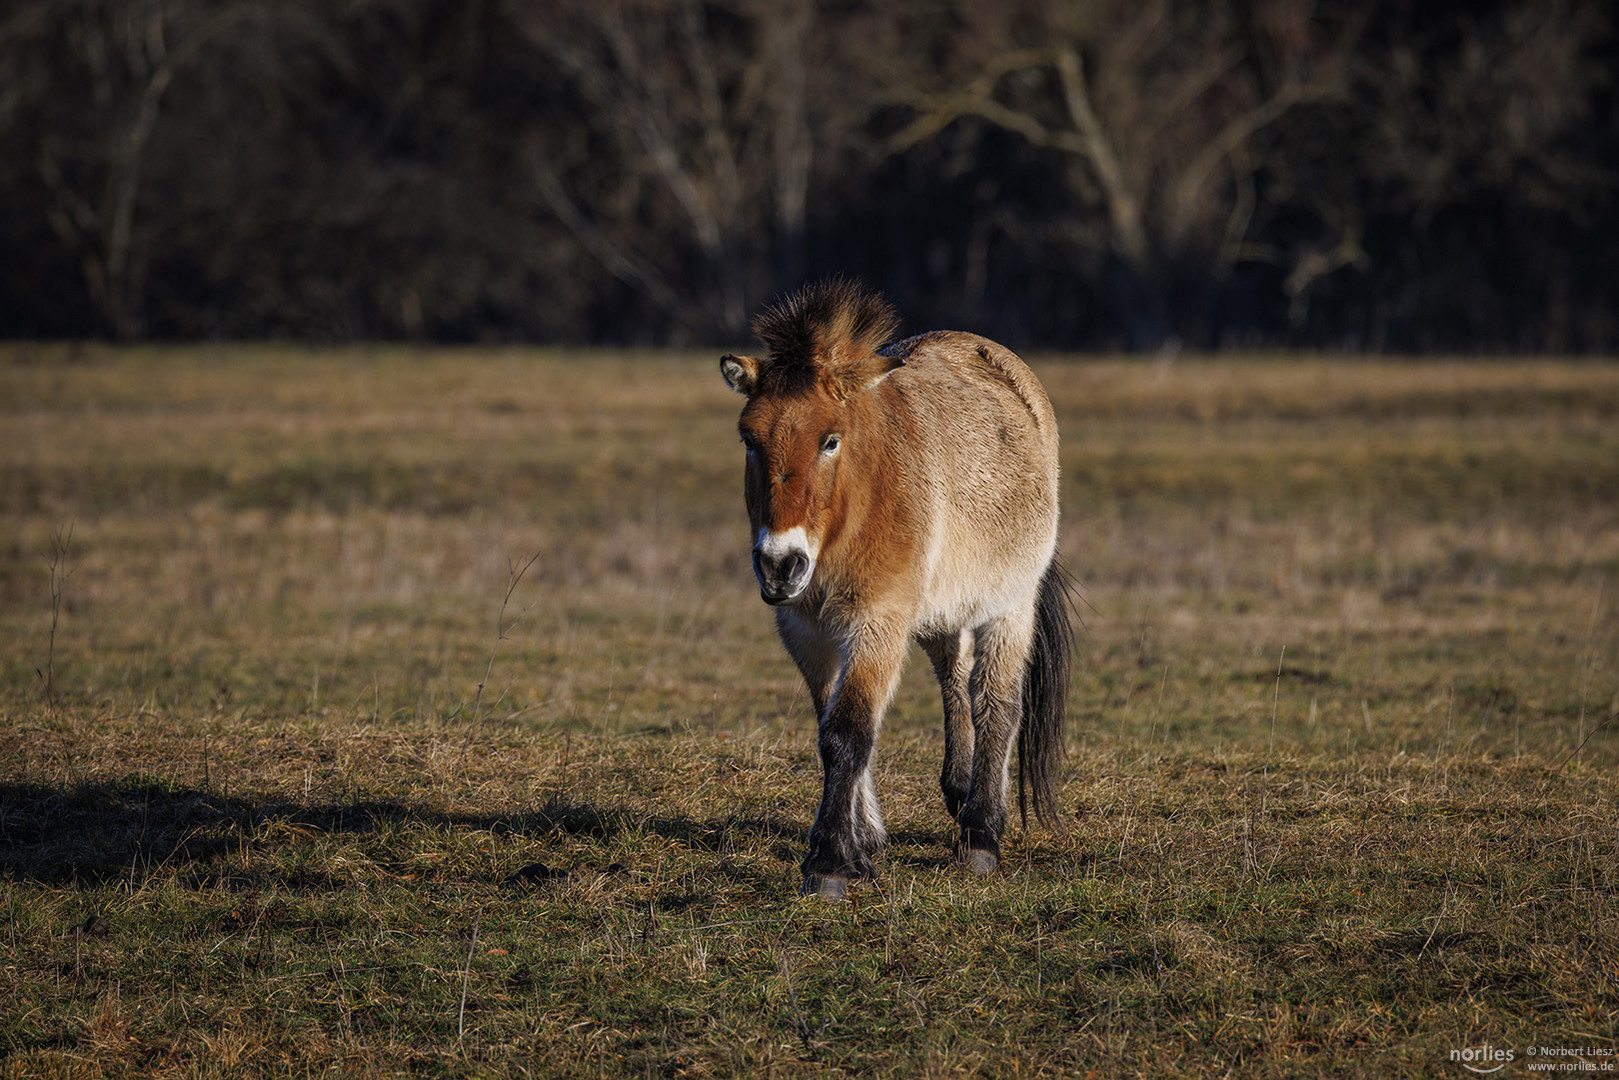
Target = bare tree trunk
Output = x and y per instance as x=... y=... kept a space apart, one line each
x=725 y=133
x=102 y=233
x=132 y=50
x=786 y=37
x=1153 y=150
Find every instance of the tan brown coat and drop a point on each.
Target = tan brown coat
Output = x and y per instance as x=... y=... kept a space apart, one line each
x=901 y=493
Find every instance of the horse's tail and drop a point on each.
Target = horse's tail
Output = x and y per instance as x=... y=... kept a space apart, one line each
x=1045 y=687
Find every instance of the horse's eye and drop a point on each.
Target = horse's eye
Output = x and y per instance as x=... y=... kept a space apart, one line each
x=747 y=444
x=829 y=444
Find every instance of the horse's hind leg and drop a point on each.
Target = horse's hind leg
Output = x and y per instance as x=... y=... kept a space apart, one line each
x=997 y=697
x=952 y=657
x=848 y=828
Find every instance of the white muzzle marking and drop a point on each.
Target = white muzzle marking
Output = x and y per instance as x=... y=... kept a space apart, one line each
x=783 y=563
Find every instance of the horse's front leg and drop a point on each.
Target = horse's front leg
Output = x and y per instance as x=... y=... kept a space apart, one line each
x=848 y=828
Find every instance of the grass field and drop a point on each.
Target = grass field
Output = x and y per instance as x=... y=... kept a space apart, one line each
x=1341 y=789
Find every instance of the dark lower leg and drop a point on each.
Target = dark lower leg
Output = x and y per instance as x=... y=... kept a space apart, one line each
x=848 y=829
x=983 y=818
x=951 y=655
x=997 y=696
x=843 y=838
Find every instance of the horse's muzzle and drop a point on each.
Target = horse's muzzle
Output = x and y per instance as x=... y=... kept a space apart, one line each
x=783 y=576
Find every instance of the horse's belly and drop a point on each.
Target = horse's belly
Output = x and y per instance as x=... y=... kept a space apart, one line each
x=976 y=572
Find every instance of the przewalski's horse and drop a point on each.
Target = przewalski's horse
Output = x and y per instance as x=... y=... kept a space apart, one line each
x=897 y=493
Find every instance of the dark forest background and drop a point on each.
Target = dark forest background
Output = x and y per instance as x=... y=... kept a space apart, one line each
x=1405 y=176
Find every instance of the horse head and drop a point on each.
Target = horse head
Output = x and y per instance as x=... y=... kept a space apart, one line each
x=803 y=428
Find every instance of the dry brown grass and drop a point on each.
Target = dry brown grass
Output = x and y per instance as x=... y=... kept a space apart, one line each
x=1346 y=625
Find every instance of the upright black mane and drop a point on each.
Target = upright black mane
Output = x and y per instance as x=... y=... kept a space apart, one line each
x=835 y=321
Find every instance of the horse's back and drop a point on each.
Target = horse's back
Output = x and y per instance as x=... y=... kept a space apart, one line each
x=985 y=463
x=962 y=371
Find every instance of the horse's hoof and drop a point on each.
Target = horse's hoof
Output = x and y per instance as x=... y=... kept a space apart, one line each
x=979 y=861
x=827 y=888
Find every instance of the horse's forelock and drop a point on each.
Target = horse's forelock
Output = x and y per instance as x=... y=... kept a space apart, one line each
x=835 y=325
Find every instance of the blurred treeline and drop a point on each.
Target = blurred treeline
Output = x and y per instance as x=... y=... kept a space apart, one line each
x=1403 y=175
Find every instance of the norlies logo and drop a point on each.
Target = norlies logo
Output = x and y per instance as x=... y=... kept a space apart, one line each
x=1482 y=1059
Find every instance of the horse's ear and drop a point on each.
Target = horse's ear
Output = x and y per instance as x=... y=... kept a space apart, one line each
x=741 y=373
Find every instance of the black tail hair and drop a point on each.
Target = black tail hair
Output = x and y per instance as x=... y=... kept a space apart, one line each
x=1040 y=747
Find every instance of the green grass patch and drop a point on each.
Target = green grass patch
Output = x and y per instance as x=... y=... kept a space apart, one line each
x=1339 y=799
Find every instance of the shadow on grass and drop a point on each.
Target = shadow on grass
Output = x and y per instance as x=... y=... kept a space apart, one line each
x=108 y=831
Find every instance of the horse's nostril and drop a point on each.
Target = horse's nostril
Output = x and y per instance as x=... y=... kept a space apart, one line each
x=780 y=571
